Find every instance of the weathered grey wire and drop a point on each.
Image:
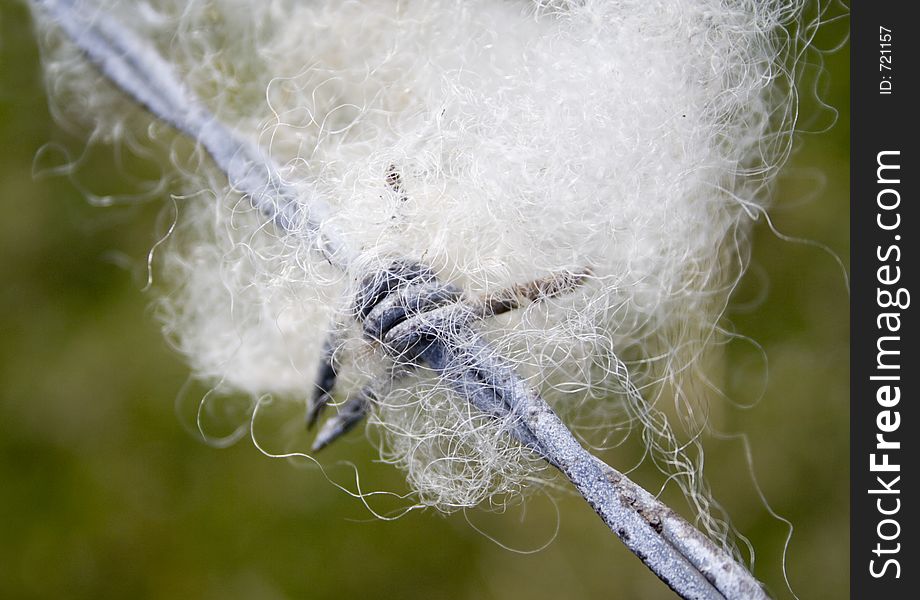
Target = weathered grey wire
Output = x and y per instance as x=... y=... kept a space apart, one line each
x=435 y=332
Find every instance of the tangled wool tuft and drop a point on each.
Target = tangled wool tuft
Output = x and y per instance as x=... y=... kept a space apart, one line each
x=497 y=142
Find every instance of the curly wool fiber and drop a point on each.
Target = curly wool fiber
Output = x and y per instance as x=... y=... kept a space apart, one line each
x=497 y=142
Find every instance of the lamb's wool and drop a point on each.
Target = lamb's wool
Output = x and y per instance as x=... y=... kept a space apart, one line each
x=496 y=141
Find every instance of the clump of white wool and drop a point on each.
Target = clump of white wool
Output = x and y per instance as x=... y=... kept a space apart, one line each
x=632 y=138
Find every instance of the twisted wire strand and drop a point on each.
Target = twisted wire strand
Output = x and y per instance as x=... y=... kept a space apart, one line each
x=417 y=324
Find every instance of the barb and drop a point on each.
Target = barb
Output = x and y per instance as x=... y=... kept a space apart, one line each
x=417 y=319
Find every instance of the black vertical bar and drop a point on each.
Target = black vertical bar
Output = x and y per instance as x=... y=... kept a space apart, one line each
x=884 y=367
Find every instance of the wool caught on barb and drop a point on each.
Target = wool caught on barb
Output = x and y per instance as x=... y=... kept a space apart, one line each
x=497 y=142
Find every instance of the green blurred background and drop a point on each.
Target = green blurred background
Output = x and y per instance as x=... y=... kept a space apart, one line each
x=105 y=493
